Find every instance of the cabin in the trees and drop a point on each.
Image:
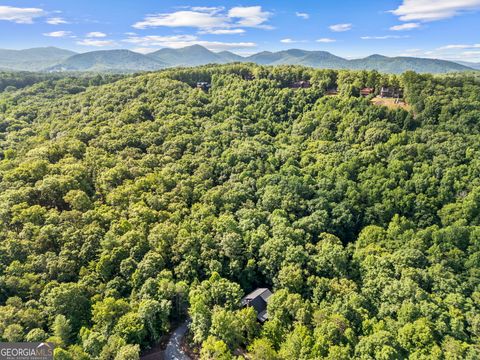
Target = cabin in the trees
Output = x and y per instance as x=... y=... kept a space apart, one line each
x=258 y=299
x=301 y=85
x=389 y=92
x=332 y=91
x=367 y=91
x=205 y=86
x=249 y=77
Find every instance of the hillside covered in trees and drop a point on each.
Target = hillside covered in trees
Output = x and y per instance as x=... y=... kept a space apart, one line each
x=128 y=203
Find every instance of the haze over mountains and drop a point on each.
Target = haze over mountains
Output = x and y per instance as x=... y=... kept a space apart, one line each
x=55 y=59
x=472 y=65
x=36 y=59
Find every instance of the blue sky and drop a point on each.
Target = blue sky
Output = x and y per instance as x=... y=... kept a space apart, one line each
x=448 y=29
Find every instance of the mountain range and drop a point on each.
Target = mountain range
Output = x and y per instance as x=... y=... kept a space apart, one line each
x=53 y=59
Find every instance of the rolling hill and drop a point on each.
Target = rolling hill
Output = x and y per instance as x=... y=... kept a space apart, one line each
x=109 y=61
x=323 y=59
x=35 y=59
x=193 y=56
x=54 y=59
x=318 y=59
x=402 y=64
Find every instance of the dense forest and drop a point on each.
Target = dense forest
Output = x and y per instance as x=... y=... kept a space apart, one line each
x=129 y=203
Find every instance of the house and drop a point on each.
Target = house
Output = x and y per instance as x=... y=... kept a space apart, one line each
x=301 y=85
x=367 y=91
x=205 y=86
x=388 y=92
x=332 y=91
x=258 y=299
x=249 y=77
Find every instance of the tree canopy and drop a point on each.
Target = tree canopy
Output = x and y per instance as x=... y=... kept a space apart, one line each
x=127 y=202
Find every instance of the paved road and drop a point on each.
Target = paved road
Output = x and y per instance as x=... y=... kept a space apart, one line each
x=174 y=350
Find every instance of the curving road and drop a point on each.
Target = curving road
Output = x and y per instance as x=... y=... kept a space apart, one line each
x=174 y=351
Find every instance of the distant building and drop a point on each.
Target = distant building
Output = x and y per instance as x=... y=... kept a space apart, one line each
x=332 y=91
x=249 y=77
x=258 y=299
x=388 y=92
x=367 y=91
x=205 y=86
x=301 y=85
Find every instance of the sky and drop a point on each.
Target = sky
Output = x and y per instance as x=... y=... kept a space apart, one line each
x=446 y=29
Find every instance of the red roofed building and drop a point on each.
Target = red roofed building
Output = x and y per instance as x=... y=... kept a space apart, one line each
x=367 y=91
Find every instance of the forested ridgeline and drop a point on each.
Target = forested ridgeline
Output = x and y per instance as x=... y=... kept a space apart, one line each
x=128 y=202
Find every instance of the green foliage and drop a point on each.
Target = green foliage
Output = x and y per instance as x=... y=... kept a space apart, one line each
x=214 y=349
x=129 y=203
x=128 y=352
x=203 y=299
x=62 y=329
x=262 y=349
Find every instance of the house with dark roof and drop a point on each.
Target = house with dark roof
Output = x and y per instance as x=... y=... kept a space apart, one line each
x=332 y=91
x=388 y=92
x=205 y=86
x=301 y=85
x=258 y=299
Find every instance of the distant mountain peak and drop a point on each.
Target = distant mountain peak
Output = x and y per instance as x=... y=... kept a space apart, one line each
x=376 y=56
x=195 y=46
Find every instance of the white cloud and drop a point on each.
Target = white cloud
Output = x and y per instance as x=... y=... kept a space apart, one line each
x=209 y=19
x=449 y=52
x=56 y=21
x=144 y=50
x=471 y=53
x=341 y=27
x=222 y=46
x=432 y=10
x=179 y=41
x=96 y=34
x=197 y=19
x=386 y=37
x=156 y=40
x=302 y=15
x=406 y=26
x=96 y=43
x=58 y=34
x=291 y=41
x=326 y=40
x=210 y=9
x=20 y=15
x=459 y=46
x=250 y=16
x=223 y=31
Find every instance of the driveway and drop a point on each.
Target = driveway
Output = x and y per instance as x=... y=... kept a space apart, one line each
x=174 y=351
